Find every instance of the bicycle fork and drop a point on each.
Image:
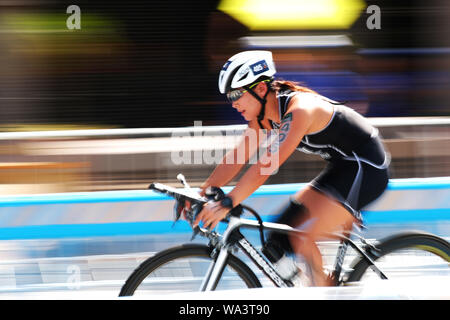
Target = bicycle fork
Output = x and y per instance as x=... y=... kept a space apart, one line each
x=215 y=270
x=216 y=267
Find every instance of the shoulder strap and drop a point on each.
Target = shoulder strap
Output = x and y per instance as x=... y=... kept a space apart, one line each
x=283 y=99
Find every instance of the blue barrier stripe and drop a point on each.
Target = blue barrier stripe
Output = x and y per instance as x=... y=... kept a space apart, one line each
x=88 y=197
x=149 y=195
x=60 y=231
x=396 y=216
x=166 y=227
x=419 y=183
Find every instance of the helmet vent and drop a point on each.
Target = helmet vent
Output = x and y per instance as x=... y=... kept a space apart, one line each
x=243 y=77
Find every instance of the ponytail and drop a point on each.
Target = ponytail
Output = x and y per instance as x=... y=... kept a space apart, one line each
x=283 y=85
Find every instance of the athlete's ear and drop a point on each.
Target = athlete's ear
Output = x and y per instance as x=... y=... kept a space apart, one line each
x=262 y=88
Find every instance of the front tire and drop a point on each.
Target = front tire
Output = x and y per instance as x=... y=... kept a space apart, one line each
x=182 y=268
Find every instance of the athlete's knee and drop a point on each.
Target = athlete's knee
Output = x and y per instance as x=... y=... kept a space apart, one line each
x=277 y=244
x=294 y=213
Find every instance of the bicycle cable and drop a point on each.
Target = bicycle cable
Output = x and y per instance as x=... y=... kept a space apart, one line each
x=260 y=221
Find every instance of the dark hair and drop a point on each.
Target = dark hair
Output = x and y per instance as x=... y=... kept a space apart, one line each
x=283 y=85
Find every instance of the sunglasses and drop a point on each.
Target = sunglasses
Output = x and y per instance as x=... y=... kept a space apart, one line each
x=236 y=94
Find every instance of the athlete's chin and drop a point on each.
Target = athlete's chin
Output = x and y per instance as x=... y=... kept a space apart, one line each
x=247 y=116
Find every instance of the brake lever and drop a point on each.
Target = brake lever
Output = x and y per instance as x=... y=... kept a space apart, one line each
x=196 y=209
x=178 y=208
x=195 y=232
x=181 y=178
x=177 y=217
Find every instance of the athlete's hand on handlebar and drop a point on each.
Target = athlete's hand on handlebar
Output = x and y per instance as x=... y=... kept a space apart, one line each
x=202 y=192
x=212 y=213
x=195 y=208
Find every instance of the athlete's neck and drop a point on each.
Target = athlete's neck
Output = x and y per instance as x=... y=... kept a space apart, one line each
x=272 y=110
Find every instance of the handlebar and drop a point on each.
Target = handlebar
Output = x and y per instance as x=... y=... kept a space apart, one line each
x=181 y=196
x=178 y=194
x=197 y=202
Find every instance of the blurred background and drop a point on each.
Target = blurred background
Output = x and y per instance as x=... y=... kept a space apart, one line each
x=98 y=109
x=154 y=65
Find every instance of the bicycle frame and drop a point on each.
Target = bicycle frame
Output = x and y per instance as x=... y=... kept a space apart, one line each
x=232 y=236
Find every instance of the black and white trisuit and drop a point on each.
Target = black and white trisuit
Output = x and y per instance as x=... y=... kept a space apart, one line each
x=357 y=170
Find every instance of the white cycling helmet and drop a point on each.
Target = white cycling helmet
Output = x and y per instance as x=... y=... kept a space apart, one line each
x=245 y=68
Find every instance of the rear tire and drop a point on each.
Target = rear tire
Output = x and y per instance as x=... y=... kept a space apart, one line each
x=429 y=253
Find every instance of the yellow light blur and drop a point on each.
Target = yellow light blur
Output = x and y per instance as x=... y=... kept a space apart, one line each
x=293 y=14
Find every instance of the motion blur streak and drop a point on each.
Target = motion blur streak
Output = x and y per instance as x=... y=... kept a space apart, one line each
x=152 y=67
x=297 y=14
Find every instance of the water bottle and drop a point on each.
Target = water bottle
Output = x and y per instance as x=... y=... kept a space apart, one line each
x=285 y=265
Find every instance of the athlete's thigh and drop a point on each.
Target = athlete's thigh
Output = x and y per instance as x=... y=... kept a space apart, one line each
x=326 y=214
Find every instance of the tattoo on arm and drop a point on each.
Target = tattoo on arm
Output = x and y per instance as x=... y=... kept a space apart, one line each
x=282 y=133
x=285 y=126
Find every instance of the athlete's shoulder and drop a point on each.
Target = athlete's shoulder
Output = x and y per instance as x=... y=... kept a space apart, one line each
x=301 y=103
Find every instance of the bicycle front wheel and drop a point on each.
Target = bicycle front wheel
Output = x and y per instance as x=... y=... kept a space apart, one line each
x=182 y=269
x=406 y=255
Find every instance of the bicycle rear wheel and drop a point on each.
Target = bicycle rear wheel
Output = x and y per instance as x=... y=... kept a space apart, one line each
x=183 y=268
x=406 y=255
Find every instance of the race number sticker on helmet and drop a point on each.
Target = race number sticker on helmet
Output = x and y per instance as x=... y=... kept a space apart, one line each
x=259 y=67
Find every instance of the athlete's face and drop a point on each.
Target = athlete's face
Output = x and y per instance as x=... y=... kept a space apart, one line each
x=247 y=105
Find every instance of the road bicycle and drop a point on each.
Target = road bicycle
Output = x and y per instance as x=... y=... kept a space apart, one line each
x=224 y=262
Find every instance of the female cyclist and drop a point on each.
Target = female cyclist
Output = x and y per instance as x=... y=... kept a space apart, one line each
x=357 y=170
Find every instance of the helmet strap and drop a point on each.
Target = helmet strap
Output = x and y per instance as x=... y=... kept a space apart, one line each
x=263 y=102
